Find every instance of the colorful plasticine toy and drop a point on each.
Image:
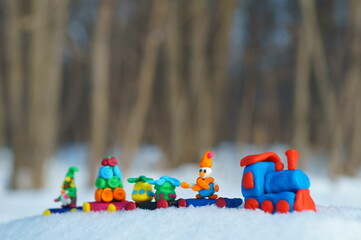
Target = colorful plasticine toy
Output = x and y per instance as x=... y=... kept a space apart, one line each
x=267 y=186
x=67 y=195
x=110 y=194
x=142 y=191
x=205 y=185
x=165 y=190
x=206 y=188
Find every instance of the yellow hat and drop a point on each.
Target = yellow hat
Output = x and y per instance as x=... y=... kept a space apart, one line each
x=207 y=160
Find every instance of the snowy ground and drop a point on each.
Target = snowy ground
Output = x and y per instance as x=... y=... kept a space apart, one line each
x=338 y=216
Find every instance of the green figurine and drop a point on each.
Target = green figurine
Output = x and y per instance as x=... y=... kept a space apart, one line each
x=68 y=192
x=165 y=188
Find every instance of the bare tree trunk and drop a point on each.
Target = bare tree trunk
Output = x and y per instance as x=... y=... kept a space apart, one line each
x=314 y=41
x=38 y=56
x=2 y=110
x=15 y=96
x=327 y=95
x=46 y=49
x=54 y=72
x=100 y=90
x=348 y=107
x=353 y=165
x=135 y=130
x=53 y=78
x=202 y=89
x=220 y=60
x=301 y=127
x=178 y=148
x=354 y=79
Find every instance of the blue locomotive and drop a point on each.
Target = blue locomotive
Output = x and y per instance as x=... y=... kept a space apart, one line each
x=267 y=186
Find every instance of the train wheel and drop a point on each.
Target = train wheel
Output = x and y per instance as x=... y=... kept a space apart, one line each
x=182 y=203
x=283 y=206
x=251 y=204
x=47 y=212
x=267 y=206
x=130 y=206
x=112 y=208
x=162 y=203
x=221 y=203
x=86 y=207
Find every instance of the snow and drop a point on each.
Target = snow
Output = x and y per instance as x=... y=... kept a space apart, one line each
x=338 y=216
x=191 y=223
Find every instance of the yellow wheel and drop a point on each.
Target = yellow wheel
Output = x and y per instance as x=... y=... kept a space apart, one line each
x=112 y=208
x=73 y=210
x=86 y=207
x=46 y=213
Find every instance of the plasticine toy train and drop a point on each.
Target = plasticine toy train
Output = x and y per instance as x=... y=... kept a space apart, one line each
x=265 y=186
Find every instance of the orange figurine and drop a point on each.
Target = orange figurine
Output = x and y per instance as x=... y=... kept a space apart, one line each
x=205 y=185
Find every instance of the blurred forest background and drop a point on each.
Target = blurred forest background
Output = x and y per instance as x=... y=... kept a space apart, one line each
x=184 y=75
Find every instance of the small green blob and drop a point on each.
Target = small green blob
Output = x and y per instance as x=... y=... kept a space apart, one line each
x=138 y=179
x=113 y=182
x=100 y=183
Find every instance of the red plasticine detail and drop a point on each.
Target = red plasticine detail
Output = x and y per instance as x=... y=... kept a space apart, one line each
x=267 y=206
x=182 y=203
x=283 y=206
x=251 y=204
x=112 y=161
x=292 y=159
x=162 y=203
x=248 y=180
x=130 y=206
x=304 y=201
x=221 y=203
x=263 y=157
x=105 y=162
x=210 y=154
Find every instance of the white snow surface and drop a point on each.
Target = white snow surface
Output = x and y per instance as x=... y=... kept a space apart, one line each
x=338 y=204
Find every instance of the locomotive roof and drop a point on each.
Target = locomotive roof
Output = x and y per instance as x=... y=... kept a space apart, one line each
x=263 y=157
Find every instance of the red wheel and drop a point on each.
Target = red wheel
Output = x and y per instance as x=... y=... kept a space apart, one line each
x=251 y=204
x=182 y=203
x=221 y=203
x=283 y=206
x=162 y=203
x=130 y=206
x=267 y=206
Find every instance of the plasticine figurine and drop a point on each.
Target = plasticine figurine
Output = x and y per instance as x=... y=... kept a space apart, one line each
x=109 y=183
x=165 y=188
x=110 y=194
x=68 y=194
x=267 y=186
x=142 y=191
x=205 y=185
